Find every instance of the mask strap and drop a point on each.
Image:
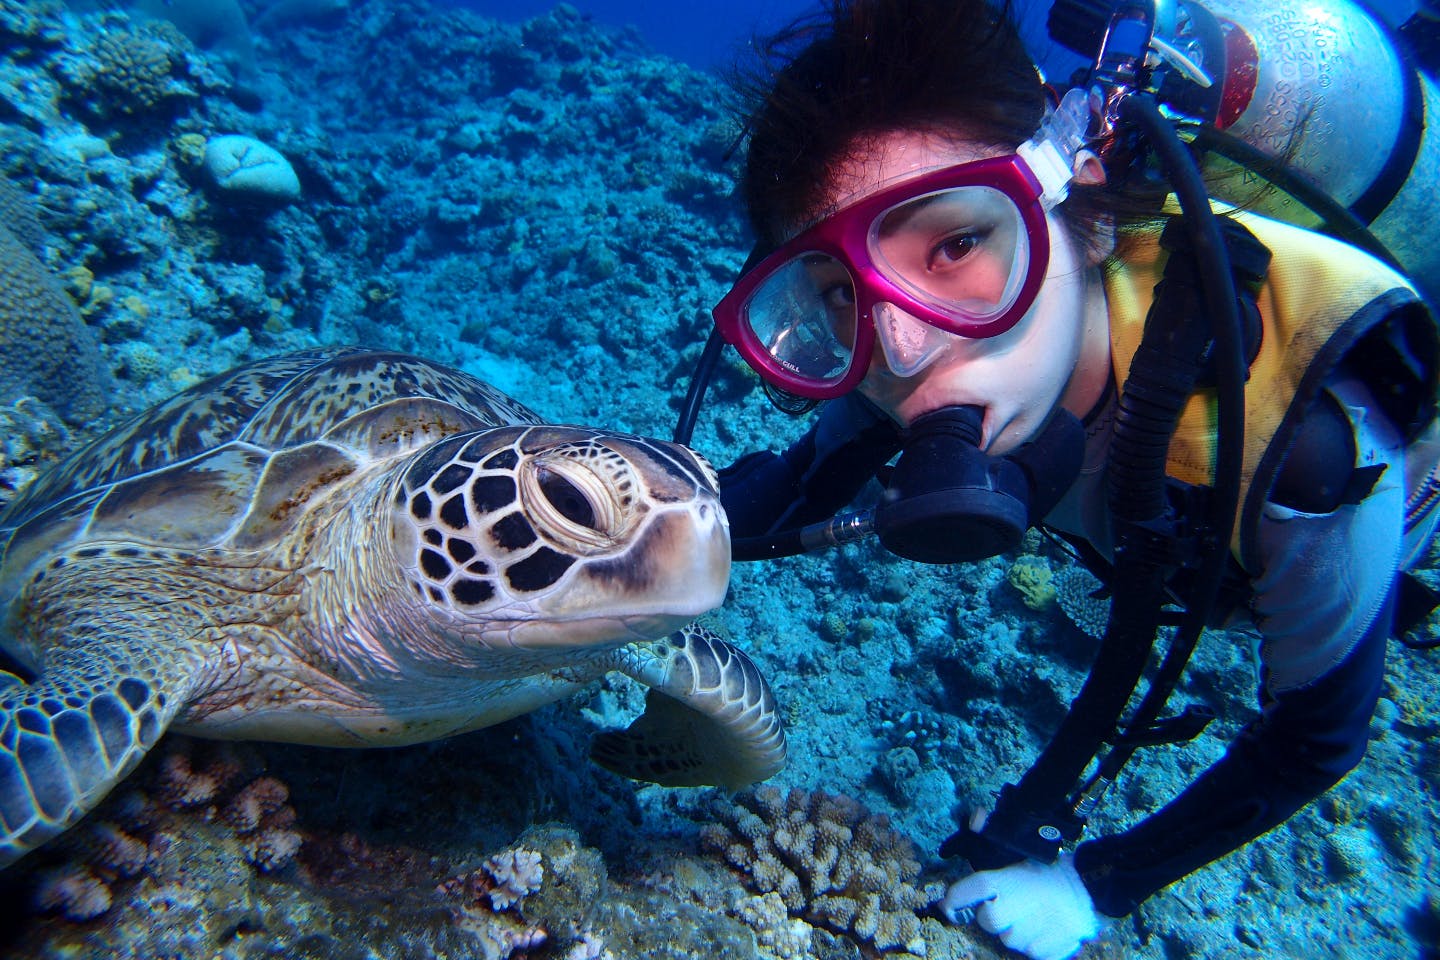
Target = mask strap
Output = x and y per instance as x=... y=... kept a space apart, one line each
x=1051 y=153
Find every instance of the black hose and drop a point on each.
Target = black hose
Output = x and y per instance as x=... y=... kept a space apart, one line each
x=695 y=395
x=1161 y=379
x=1228 y=356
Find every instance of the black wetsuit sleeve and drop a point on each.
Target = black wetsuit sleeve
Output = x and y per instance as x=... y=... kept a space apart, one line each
x=816 y=477
x=1302 y=743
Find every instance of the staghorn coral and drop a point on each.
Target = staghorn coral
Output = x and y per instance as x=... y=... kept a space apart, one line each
x=46 y=350
x=830 y=862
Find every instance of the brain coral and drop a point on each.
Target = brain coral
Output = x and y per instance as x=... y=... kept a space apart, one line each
x=18 y=213
x=46 y=350
x=830 y=861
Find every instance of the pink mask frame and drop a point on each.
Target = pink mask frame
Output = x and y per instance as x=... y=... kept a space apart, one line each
x=844 y=235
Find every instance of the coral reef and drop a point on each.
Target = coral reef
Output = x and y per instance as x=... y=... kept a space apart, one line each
x=32 y=437
x=130 y=71
x=1078 y=592
x=1031 y=577
x=45 y=348
x=829 y=861
x=186 y=780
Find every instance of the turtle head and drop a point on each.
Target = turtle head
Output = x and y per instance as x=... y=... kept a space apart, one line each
x=547 y=536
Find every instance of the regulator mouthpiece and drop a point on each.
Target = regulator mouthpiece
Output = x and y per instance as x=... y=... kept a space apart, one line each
x=949 y=502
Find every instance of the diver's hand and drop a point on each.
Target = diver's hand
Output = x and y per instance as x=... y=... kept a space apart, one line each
x=1040 y=909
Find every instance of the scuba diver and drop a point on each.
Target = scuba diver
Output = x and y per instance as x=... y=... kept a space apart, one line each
x=1225 y=414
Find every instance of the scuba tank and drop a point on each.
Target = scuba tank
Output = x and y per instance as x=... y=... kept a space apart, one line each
x=1319 y=99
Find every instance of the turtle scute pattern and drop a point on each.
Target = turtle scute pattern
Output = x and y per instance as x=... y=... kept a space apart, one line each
x=172 y=556
x=469 y=486
x=277 y=402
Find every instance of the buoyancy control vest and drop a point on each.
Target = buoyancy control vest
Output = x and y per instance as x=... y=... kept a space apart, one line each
x=1323 y=306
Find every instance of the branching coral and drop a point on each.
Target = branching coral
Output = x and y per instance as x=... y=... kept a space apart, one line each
x=105 y=853
x=505 y=880
x=46 y=350
x=264 y=821
x=829 y=860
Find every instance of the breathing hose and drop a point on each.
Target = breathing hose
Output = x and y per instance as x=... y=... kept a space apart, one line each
x=1034 y=816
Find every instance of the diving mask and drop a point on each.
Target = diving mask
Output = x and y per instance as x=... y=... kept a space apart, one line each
x=962 y=249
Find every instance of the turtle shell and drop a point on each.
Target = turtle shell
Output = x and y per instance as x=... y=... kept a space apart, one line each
x=233 y=460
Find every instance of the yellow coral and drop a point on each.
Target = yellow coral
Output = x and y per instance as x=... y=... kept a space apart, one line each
x=189 y=149
x=1031 y=576
x=183 y=378
x=100 y=299
x=133 y=69
x=136 y=306
x=79 y=281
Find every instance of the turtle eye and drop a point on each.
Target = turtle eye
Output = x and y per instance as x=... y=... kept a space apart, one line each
x=572 y=505
x=569 y=500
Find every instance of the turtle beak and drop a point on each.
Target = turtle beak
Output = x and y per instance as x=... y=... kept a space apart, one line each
x=677 y=568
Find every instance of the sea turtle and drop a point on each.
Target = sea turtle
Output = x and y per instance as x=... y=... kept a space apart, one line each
x=354 y=548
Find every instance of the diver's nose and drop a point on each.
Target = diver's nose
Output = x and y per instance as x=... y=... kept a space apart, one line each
x=909 y=345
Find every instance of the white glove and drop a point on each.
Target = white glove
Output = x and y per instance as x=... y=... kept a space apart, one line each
x=1040 y=909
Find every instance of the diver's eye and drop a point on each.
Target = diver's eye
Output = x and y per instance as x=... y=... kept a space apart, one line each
x=567 y=498
x=954 y=249
x=837 y=297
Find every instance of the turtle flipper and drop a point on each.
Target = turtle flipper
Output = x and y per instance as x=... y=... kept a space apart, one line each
x=70 y=736
x=709 y=718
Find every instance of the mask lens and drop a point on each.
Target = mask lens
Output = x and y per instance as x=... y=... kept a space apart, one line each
x=803 y=314
x=963 y=252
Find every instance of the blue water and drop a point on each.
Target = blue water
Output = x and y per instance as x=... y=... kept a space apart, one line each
x=705 y=35
x=709 y=35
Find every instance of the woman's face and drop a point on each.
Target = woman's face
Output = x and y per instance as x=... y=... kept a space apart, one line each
x=1059 y=351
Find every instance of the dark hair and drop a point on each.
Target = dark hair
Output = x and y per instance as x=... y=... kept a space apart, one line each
x=820 y=87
